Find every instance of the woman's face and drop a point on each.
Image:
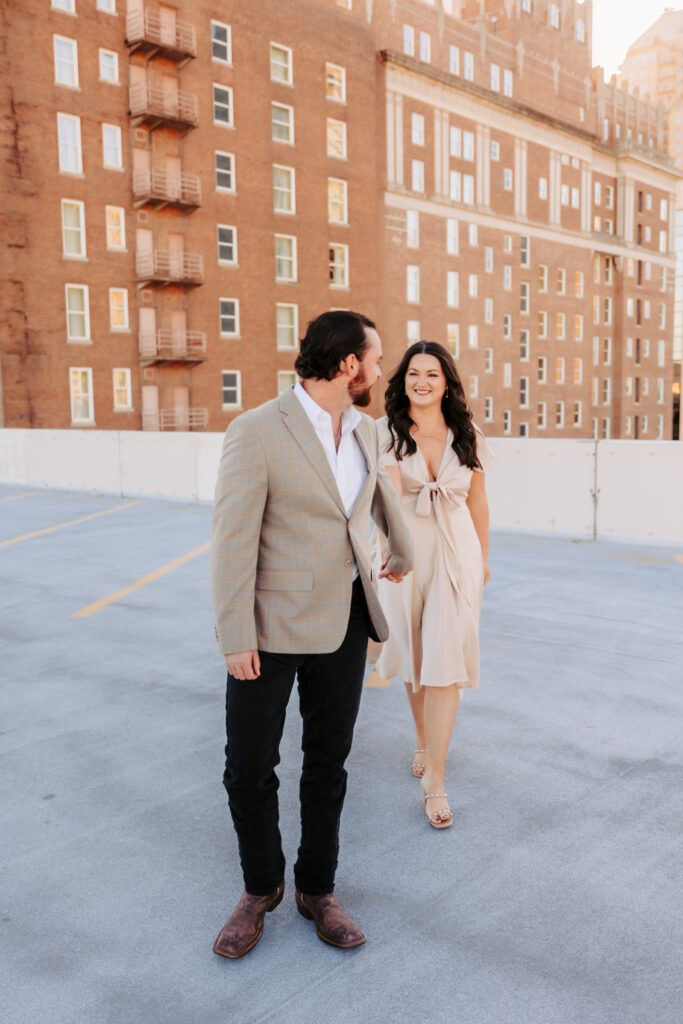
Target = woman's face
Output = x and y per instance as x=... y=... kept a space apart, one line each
x=425 y=381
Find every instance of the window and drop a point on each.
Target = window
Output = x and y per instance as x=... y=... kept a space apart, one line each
x=108 y=6
x=524 y=346
x=541 y=415
x=473 y=336
x=417 y=130
x=336 y=138
x=468 y=66
x=413 y=331
x=660 y=390
x=221 y=43
x=662 y=241
x=596 y=193
x=284 y=192
x=473 y=386
x=418 y=176
x=577 y=415
x=507 y=375
x=607 y=310
x=606 y=390
x=281 y=69
x=488 y=311
x=524 y=251
x=605 y=429
x=507 y=326
x=69 y=136
x=468 y=189
x=227 y=244
x=609 y=197
x=109 y=66
x=412 y=283
x=488 y=259
x=495 y=78
x=455 y=141
x=335 y=83
x=524 y=392
x=580 y=31
x=607 y=351
x=554 y=16
x=663 y=209
x=123 y=398
x=605 y=129
x=77 y=313
x=286 y=379
x=542 y=277
x=542 y=188
x=561 y=280
x=578 y=284
x=453 y=339
x=542 y=370
x=507 y=421
x=285 y=258
x=80 y=386
x=576 y=198
x=66 y=61
x=559 y=415
x=115 y=219
x=542 y=324
x=287 y=326
x=73 y=228
x=468 y=145
x=68 y=6
x=559 y=370
x=225 y=172
x=524 y=297
x=495 y=151
x=507 y=179
x=229 y=317
x=564 y=195
x=645 y=424
x=112 y=155
x=507 y=83
x=578 y=327
x=452 y=236
x=608 y=269
x=412 y=229
x=118 y=309
x=488 y=360
x=660 y=427
x=473 y=286
x=661 y=353
x=507 y=278
x=409 y=40
x=452 y=288
x=231 y=389
x=222 y=105
x=488 y=409
x=425 y=47
x=455 y=186
x=454 y=60
x=282 y=122
x=339 y=266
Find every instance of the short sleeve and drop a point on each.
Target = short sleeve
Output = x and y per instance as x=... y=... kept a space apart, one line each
x=484 y=453
x=384 y=438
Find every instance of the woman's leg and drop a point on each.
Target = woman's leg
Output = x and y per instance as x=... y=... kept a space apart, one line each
x=440 y=709
x=417 y=707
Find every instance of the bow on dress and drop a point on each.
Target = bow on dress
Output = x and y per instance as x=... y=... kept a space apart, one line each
x=440 y=498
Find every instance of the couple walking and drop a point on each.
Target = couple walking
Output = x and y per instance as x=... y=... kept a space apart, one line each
x=297 y=594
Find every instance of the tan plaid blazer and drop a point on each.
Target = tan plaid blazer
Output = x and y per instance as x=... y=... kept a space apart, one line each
x=282 y=547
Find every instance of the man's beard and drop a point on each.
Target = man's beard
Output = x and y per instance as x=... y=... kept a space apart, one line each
x=359 y=390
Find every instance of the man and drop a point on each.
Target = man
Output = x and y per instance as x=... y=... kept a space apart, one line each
x=293 y=591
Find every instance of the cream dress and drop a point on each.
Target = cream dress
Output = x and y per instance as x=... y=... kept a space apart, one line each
x=433 y=614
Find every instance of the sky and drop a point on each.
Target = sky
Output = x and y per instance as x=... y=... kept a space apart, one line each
x=617 y=24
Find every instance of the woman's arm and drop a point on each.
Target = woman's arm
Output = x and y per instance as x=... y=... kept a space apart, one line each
x=479 y=510
x=395 y=477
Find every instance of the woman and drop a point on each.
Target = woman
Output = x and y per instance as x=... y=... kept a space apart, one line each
x=436 y=459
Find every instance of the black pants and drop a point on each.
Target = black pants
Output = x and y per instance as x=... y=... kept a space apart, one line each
x=330 y=687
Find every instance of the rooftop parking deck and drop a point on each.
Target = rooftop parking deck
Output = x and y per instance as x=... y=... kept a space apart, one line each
x=554 y=899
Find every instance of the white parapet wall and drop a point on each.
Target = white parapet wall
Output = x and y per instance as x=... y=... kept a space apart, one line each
x=534 y=485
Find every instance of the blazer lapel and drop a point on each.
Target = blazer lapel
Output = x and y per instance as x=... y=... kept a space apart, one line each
x=301 y=429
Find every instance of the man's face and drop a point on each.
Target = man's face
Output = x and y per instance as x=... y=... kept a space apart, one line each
x=369 y=372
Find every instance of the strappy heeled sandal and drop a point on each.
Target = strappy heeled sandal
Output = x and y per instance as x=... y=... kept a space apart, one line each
x=435 y=819
x=416 y=765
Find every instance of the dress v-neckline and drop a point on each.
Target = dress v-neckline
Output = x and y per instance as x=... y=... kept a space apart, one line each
x=449 y=441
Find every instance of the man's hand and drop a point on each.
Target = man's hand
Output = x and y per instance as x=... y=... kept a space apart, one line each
x=245 y=665
x=392 y=576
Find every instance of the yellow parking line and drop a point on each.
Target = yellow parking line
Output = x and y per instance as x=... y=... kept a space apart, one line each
x=13 y=497
x=61 y=526
x=104 y=601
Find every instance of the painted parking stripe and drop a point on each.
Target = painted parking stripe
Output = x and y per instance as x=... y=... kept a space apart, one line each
x=96 y=606
x=15 y=497
x=62 y=526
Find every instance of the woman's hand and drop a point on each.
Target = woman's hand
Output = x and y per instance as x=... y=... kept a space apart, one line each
x=392 y=576
x=487 y=574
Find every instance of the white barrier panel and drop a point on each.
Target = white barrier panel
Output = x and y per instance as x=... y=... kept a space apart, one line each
x=542 y=486
x=534 y=485
x=640 y=490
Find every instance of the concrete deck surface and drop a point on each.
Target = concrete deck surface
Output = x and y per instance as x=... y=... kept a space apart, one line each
x=555 y=898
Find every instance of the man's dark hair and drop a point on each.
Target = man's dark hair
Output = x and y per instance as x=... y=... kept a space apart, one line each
x=329 y=339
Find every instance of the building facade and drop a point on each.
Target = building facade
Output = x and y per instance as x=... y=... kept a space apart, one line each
x=188 y=184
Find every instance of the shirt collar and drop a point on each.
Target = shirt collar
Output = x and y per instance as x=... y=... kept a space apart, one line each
x=316 y=414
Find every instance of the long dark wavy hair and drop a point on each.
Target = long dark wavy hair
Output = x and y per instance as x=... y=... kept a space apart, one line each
x=454 y=407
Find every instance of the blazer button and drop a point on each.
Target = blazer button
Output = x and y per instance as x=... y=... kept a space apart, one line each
x=347 y=562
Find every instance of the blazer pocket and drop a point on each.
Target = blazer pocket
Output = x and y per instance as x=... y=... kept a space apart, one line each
x=284 y=579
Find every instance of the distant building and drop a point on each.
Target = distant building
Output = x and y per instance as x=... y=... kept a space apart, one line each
x=187 y=185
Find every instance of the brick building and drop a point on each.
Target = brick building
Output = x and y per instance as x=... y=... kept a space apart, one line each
x=187 y=184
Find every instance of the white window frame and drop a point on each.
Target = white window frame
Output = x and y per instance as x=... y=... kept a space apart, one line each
x=454 y=60
x=507 y=82
x=507 y=421
x=452 y=289
x=412 y=283
x=118 y=146
x=542 y=188
x=468 y=66
x=72 y=63
x=541 y=415
x=228 y=190
x=524 y=392
x=468 y=146
x=507 y=375
x=292 y=259
x=90 y=418
x=125 y=326
x=542 y=370
x=292 y=328
x=121 y=210
x=236 y=387
x=494 y=81
x=412 y=229
x=287 y=64
x=342 y=135
x=86 y=338
x=468 y=189
x=417 y=129
x=288 y=193
x=333 y=263
x=507 y=179
x=285 y=381
x=236 y=317
x=412 y=331
x=344 y=219
x=455 y=141
x=115 y=66
x=473 y=336
x=107 y=6
x=226 y=262
x=227 y=43
x=452 y=236
x=425 y=47
x=229 y=106
x=127 y=406
x=559 y=415
x=417 y=176
x=66 y=6
x=66 y=146
x=488 y=409
x=332 y=81
x=80 y=230
x=408 y=40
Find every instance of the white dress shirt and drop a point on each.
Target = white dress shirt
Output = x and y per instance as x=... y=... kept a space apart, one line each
x=348 y=464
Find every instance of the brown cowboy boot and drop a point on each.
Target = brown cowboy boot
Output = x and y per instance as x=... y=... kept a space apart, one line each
x=244 y=927
x=332 y=924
